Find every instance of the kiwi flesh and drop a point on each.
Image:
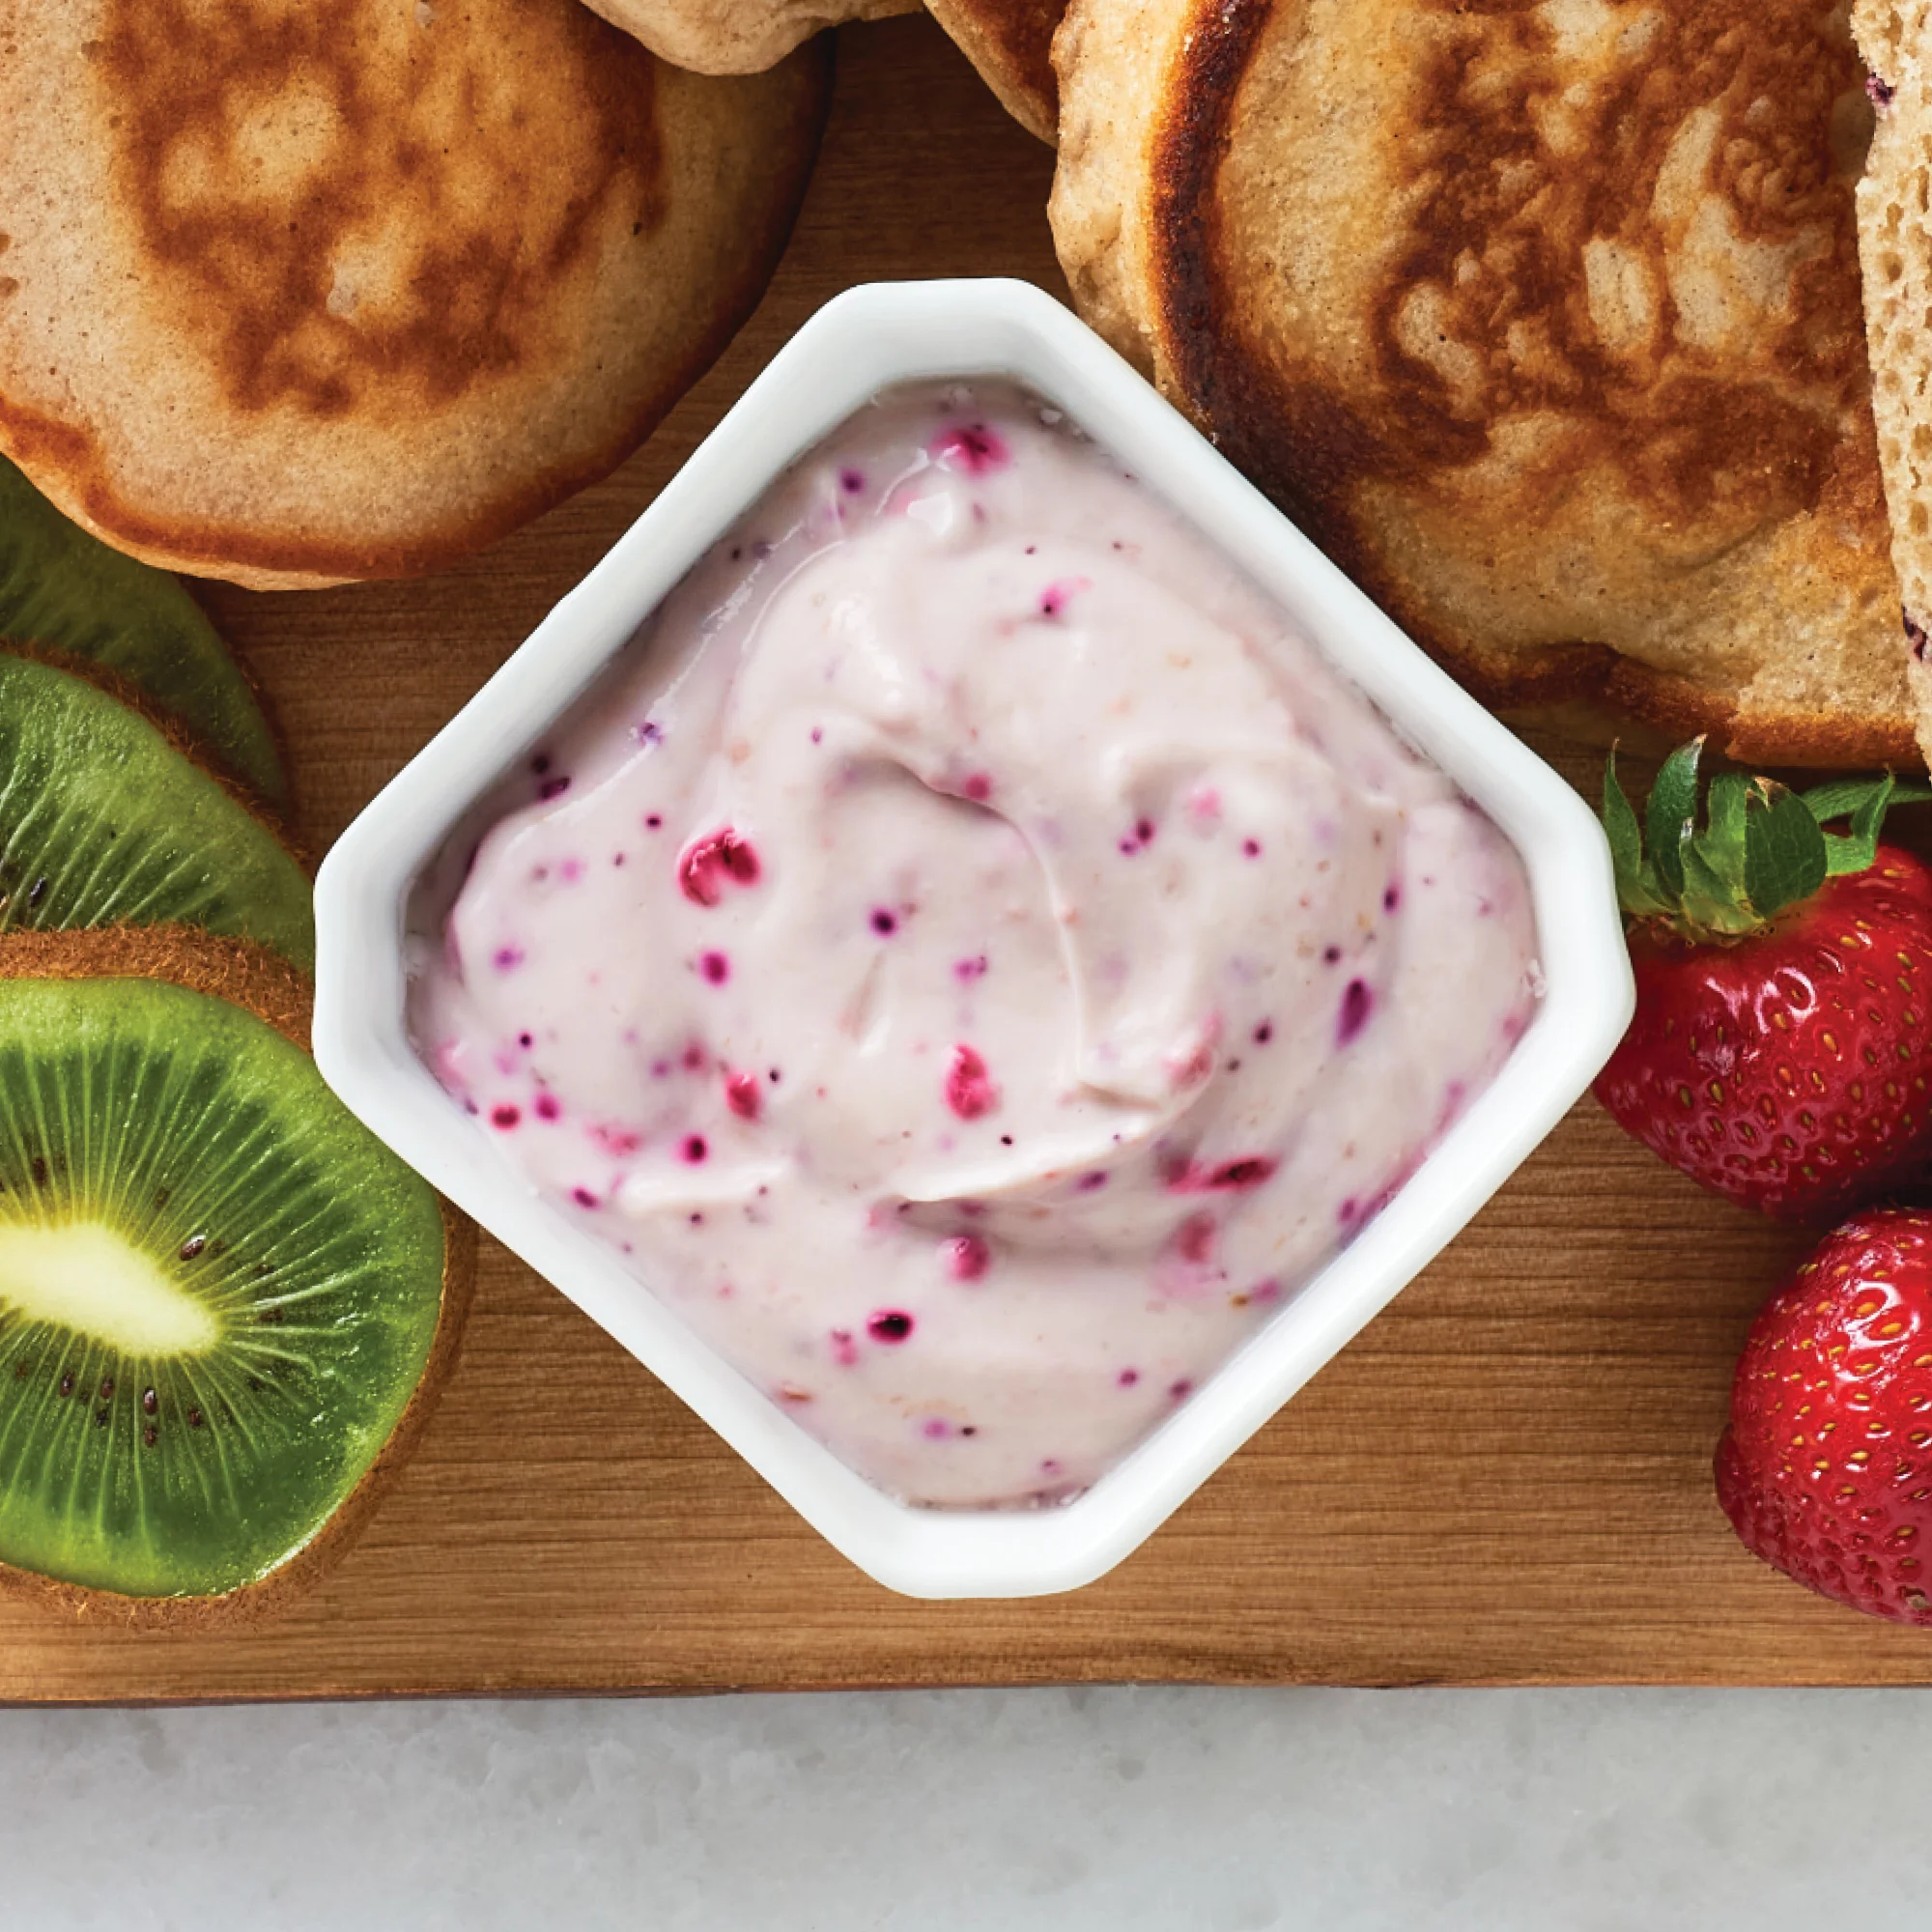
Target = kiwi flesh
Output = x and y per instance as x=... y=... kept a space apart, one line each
x=105 y=822
x=66 y=593
x=223 y=1304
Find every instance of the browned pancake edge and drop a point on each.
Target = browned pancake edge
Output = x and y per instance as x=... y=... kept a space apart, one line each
x=262 y=334
x=1303 y=443
x=1010 y=41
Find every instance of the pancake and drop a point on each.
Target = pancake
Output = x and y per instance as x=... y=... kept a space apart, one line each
x=1543 y=321
x=1895 y=252
x=1010 y=41
x=297 y=294
x=736 y=35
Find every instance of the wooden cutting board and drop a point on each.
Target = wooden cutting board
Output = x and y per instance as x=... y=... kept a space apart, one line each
x=1506 y=1479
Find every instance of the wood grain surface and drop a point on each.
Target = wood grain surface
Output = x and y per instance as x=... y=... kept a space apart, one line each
x=1506 y=1479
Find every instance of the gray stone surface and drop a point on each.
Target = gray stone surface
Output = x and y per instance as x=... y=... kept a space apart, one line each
x=1062 y=1811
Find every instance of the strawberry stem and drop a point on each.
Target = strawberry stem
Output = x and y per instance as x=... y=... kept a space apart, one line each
x=1762 y=848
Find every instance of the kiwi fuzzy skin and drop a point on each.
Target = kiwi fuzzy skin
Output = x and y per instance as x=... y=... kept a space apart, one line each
x=240 y=971
x=264 y=983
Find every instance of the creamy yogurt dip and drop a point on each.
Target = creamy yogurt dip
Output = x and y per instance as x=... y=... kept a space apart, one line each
x=970 y=957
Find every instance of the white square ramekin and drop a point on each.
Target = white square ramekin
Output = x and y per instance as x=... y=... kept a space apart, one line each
x=856 y=345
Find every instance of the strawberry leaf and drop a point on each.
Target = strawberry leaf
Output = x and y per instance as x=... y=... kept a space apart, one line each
x=1762 y=848
x=1841 y=798
x=1714 y=895
x=1669 y=816
x=1722 y=846
x=1620 y=824
x=1637 y=879
x=1786 y=858
x=1856 y=853
x=1710 y=904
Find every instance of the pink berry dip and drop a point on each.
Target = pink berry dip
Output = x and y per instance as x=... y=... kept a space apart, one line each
x=970 y=957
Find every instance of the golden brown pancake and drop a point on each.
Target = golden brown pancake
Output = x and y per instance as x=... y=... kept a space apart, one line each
x=292 y=292
x=1895 y=252
x=1010 y=41
x=736 y=35
x=1543 y=319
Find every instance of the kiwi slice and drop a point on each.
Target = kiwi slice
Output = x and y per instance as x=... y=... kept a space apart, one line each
x=104 y=822
x=219 y=1294
x=66 y=591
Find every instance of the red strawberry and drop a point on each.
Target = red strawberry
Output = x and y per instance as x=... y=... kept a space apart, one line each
x=1825 y=1470
x=1781 y=1052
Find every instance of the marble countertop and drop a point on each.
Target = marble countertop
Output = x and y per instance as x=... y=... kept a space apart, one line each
x=1096 y=1810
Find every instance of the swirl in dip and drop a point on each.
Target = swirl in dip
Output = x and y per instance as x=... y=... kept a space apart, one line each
x=970 y=957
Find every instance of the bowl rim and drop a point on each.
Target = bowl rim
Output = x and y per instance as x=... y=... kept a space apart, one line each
x=860 y=342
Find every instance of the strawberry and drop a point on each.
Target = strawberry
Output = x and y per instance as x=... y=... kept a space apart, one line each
x=1826 y=1469
x=1781 y=1052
